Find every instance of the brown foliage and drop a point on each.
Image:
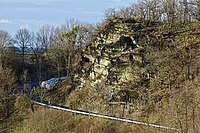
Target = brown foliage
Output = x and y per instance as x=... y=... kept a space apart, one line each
x=7 y=81
x=47 y=120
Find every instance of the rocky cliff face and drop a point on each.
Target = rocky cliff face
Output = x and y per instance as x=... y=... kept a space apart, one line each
x=113 y=63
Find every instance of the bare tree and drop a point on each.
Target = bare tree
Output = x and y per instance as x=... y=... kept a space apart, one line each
x=68 y=39
x=44 y=41
x=23 y=40
x=5 y=41
x=75 y=38
x=109 y=13
x=44 y=37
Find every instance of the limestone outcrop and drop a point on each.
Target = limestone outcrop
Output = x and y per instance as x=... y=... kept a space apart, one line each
x=114 y=60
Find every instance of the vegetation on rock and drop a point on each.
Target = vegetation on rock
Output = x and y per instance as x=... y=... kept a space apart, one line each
x=141 y=63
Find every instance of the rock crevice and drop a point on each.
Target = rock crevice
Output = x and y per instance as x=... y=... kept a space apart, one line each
x=114 y=59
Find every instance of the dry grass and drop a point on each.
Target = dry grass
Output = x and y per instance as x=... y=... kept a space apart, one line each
x=46 y=120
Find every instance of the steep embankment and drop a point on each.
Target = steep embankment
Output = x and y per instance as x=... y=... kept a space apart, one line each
x=137 y=69
x=114 y=59
x=111 y=67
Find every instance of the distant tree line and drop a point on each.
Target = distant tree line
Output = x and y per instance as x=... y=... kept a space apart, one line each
x=170 y=11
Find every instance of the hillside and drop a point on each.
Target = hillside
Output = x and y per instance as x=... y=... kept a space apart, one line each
x=132 y=69
x=139 y=70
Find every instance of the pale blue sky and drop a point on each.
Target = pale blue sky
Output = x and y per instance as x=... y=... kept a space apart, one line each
x=15 y=14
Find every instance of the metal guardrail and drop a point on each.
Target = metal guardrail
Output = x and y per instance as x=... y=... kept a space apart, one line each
x=46 y=104
x=104 y=116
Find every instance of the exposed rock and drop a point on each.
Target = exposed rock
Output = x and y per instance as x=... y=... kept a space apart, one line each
x=114 y=57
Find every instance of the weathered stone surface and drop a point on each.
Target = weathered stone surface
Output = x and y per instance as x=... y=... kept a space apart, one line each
x=114 y=59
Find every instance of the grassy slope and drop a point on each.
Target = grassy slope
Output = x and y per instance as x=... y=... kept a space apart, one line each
x=175 y=105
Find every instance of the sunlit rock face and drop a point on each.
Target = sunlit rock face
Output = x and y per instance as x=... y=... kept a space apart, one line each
x=114 y=60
